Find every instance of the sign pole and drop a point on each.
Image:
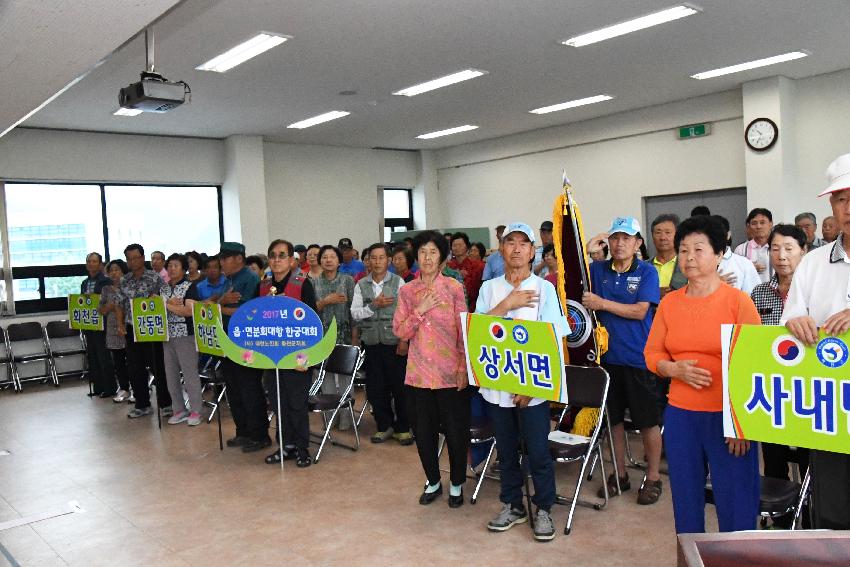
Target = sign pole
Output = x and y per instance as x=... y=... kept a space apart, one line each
x=279 y=419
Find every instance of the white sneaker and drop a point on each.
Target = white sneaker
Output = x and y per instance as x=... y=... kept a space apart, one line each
x=121 y=396
x=194 y=419
x=178 y=417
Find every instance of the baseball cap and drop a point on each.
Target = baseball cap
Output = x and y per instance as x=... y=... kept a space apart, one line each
x=344 y=243
x=546 y=225
x=519 y=227
x=838 y=175
x=628 y=225
x=231 y=249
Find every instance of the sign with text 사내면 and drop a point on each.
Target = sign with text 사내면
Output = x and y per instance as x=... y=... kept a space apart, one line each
x=778 y=390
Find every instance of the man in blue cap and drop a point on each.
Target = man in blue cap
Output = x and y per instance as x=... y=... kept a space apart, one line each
x=625 y=291
x=519 y=294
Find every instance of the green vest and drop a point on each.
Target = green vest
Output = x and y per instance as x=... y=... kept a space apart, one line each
x=378 y=329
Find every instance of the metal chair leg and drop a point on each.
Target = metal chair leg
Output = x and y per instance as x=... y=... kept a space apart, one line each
x=483 y=470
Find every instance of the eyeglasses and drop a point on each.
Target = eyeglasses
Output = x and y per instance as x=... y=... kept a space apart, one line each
x=281 y=256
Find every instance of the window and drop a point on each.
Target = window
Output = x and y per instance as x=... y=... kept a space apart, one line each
x=398 y=211
x=52 y=227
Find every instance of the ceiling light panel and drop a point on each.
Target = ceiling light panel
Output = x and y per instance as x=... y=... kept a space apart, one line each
x=751 y=65
x=441 y=82
x=320 y=119
x=629 y=26
x=448 y=132
x=572 y=104
x=246 y=50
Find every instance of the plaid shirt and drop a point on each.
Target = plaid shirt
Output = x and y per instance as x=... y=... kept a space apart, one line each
x=768 y=301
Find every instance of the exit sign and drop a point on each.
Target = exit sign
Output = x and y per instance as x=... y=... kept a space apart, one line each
x=694 y=131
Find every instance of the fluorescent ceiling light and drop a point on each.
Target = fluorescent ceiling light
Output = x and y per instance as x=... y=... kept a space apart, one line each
x=751 y=65
x=450 y=131
x=326 y=117
x=260 y=43
x=630 y=26
x=571 y=104
x=458 y=77
x=127 y=112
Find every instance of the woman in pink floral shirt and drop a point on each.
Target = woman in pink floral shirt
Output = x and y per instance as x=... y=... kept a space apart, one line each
x=428 y=315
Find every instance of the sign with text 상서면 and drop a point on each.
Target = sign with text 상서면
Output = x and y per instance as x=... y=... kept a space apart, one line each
x=150 y=322
x=207 y=320
x=514 y=355
x=277 y=332
x=778 y=390
x=82 y=312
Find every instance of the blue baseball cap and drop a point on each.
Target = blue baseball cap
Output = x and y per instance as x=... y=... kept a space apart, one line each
x=628 y=225
x=519 y=227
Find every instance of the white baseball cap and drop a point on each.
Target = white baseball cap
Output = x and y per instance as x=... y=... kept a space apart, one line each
x=519 y=227
x=838 y=174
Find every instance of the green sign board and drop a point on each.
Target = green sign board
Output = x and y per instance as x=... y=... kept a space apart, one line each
x=778 y=390
x=83 y=313
x=207 y=321
x=150 y=323
x=513 y=355
x=693 y=131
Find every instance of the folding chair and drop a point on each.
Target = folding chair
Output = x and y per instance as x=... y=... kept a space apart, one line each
x=360 y=383
x=481 y=431
x=26 y=346
x=211 y=379
x=8 y=380
x=345 y=360
x=65 y=342
x=587 y=386
x=779 y=497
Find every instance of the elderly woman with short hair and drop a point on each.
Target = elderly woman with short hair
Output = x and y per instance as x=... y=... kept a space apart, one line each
x=684 y=346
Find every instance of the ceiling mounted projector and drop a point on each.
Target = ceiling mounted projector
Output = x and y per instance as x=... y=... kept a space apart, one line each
x=153 y=92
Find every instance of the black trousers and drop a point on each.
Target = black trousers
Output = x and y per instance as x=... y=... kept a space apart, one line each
x=446 y=411
x=247 y=400
x=385 y=371
x=119 y=361
x=140 y=357
x=101 y=371
x=776 y=459
x=294 y=387
x=830 y=490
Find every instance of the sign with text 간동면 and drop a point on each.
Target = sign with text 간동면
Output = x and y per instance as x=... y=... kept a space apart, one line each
x=513 y=355
x=778 y=390
x=82 y=312
x=150 y=322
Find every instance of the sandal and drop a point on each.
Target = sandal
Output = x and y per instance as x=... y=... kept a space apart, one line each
x=274 y=458
x=650 y=492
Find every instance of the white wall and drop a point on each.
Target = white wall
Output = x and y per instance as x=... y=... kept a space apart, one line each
x=611 y=161
x=823 y=133
x=323 y=193
x=54 y=155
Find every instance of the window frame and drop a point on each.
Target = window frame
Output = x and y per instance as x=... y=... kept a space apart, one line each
x=54 y=304
x=394 y=222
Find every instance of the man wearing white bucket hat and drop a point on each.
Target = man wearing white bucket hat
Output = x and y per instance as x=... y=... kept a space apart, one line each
x=820 y=297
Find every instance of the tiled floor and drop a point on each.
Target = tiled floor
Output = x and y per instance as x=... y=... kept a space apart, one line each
x=171 y=497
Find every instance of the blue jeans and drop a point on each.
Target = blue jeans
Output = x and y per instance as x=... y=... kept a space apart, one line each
x=694 y=443
x=535 y=428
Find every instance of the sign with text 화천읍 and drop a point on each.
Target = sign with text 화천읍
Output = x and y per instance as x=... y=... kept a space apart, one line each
x=778 y=390
x=207 y=321
x=83 y=313
x=513 y=355
x=277 y=331
x=150 y=323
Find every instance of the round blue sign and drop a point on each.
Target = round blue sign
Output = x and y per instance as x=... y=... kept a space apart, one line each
x=275 y=326
x=520 y=334
x=832 y=352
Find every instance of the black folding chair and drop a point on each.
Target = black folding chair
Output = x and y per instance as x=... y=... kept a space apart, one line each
x=27 y=345
x=481 y=432
x=345 y=360
x=587 y=386
x=8 y=380
x=65 y=342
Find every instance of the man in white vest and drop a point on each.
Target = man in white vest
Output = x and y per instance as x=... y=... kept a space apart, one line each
x=373 y=306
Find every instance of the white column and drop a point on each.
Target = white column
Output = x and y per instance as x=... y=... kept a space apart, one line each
x=427 y=208
x=772 y=174
x=243 y=193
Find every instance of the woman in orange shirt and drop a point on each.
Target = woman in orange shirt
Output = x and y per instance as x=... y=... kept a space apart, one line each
x=684 y=345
